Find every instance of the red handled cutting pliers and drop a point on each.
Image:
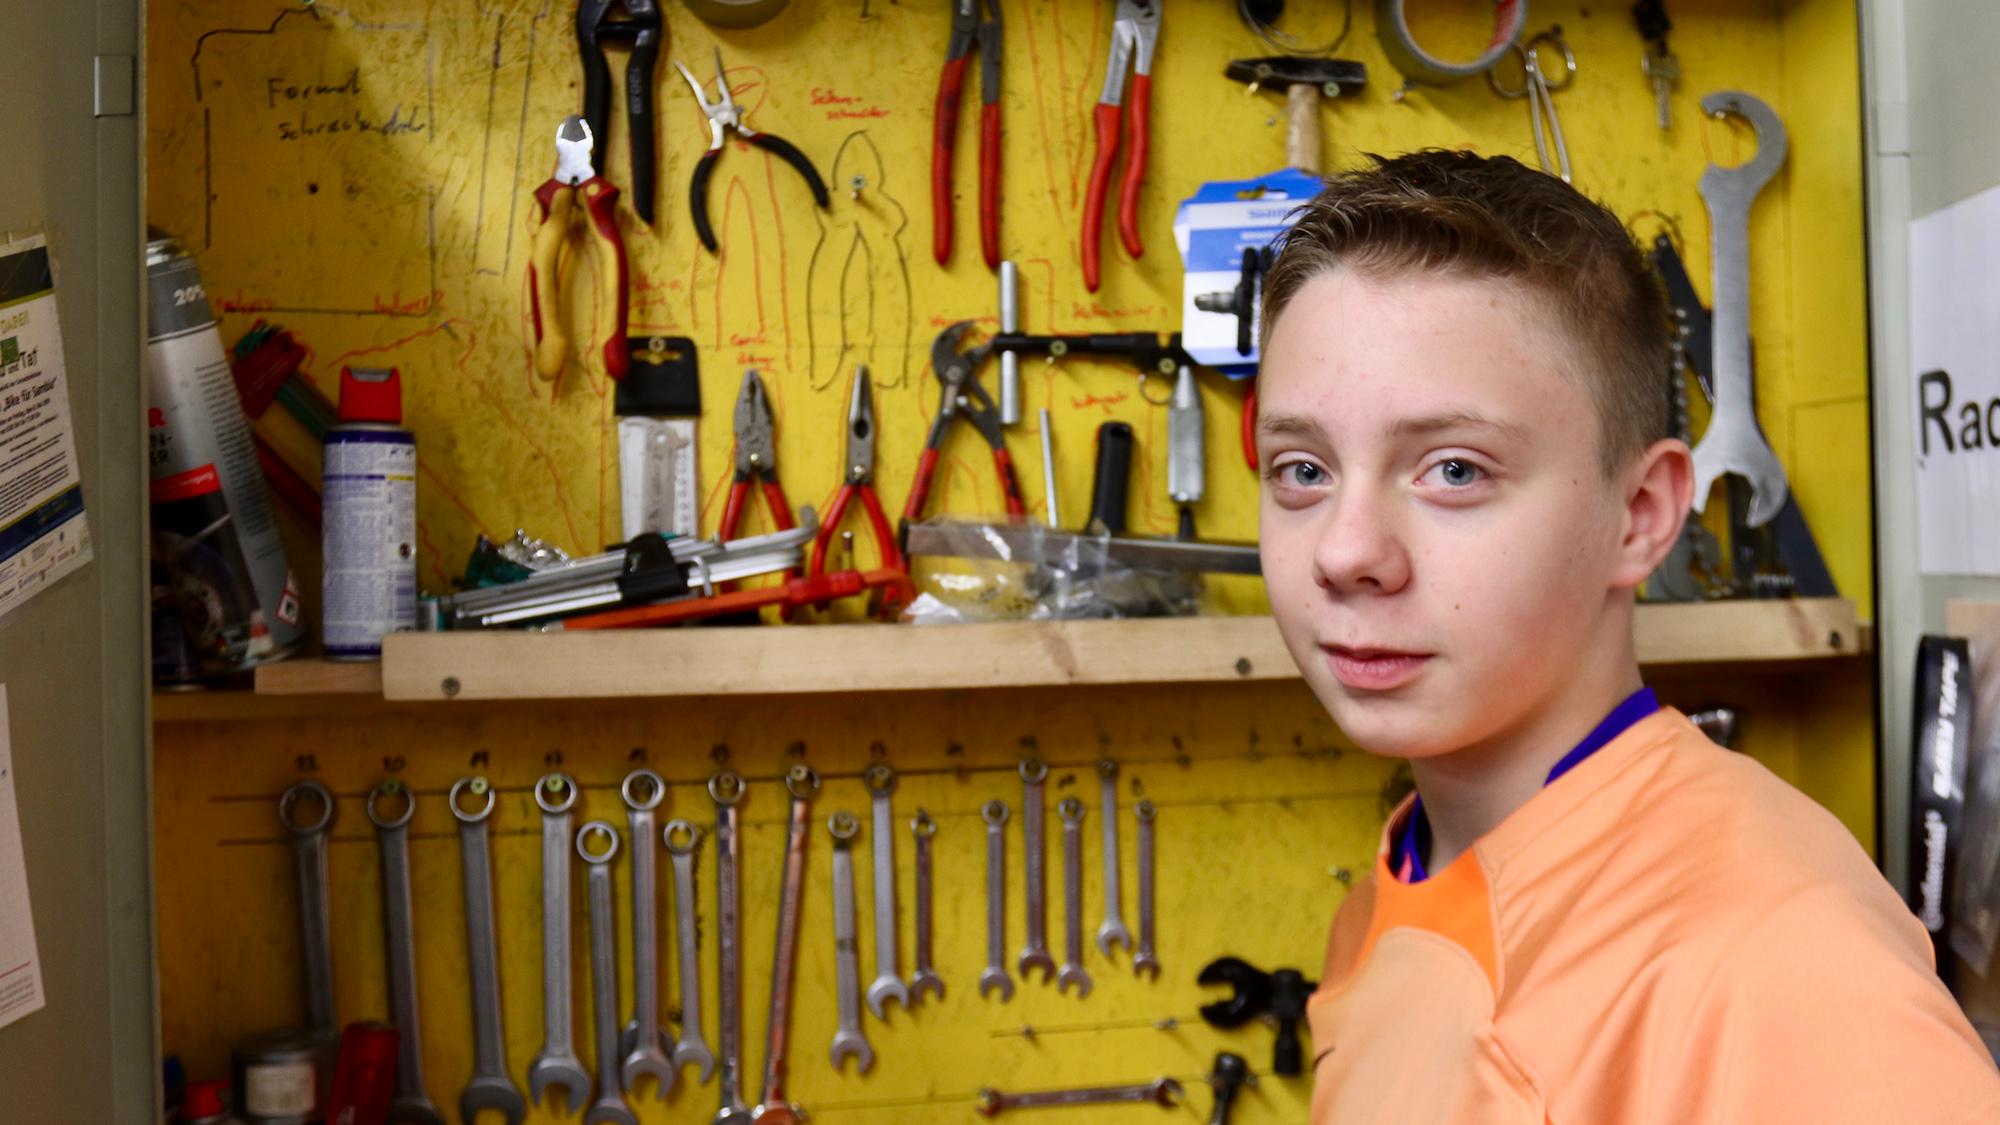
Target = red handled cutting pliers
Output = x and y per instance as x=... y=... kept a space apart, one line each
x=968 y=30
x=575 y=182
x=859 y=480
x=962 y=397
x=756 y=460
x=1133 y=35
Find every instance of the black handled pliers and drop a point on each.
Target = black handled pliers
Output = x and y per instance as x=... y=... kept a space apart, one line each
x=723 y=117
x=640 y=27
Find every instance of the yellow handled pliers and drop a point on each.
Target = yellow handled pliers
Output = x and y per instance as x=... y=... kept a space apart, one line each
x=557 y=199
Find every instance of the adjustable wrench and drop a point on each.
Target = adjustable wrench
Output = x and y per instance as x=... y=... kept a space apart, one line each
x=412 y=1103
x=1071 y=813
x=489 y=1087
x=888 y=985
x=644 y=1041
x=727 y=789
x=994 y=813
x=923 y=828
x=802 y=783
x=680 y=838
x=610 y=1104
x=1161 y=1091
x=315 y=913
x=848 y=1039
x=1112 y=930
x=1733 y=442
x=1143 y=959
x=1035 y=954
x=556 y=1064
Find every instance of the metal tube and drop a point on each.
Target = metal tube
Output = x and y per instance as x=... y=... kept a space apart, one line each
x=1010 y=364
x=1049 y=471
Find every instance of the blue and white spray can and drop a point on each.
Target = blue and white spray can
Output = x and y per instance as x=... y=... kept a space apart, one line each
x=369 y=494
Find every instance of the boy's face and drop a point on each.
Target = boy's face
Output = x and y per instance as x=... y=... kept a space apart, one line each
x=1439 y=541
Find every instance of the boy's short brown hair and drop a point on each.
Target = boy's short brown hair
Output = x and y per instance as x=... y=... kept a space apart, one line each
x=1493 y=217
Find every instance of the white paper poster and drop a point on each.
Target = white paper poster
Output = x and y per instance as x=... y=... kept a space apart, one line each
x=1955 y=373
x=43 y=535
x=20 y=969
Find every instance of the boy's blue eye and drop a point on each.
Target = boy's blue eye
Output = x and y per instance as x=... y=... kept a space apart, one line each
x=1458 y=473
x=1304 y=474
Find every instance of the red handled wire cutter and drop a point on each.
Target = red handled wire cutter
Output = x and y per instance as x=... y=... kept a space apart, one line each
x=1133 y=35
x=575 y=181
x=756 y=461
x=968 y=31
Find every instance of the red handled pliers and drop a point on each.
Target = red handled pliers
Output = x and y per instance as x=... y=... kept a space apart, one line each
x=859 y=480
x=968 y=30
x=756 y=460
x=1133 y=35
x=962 y=397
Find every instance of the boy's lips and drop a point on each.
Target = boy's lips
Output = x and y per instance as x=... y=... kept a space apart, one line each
x=1374 y=669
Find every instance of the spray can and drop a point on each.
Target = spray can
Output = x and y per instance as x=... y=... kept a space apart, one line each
x=213 y=530
x=369 y=485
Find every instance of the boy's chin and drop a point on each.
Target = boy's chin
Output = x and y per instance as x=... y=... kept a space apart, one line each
x=1393 y=727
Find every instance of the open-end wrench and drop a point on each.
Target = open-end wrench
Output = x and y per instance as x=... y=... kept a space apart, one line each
x=412 y=1104
x=1733 y=442
x=1112 y=930
x=556 y=1064
x=645 y=1043
x=1161 y=1091
x=315 y=914
x=925 y=977
x=680 y=837
x=489 y=1087
x=848 y=1039
x=610 y=1104
x=1144 y=960
x=772 y=1108
x=727 y=789
x=994 y=813
x=1034 y=852
x=888 y=983
x=1070 y=811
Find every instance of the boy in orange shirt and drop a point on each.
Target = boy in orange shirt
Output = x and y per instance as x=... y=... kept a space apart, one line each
x=1588 y=913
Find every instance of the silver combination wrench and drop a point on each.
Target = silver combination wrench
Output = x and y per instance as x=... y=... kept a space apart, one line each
x=1144 y=961
x=1034 y=851
x=848 y=1039
x=1112 y=930
x=556 y=1064
x=411 y=1104
x=315 y=911
x=1070 y=812
x=925 y=978
x=888 y=983
x=610 y=1104
x=772 y=1108
x=727 y=790
x=644 y=1041
x=994 y=813
x=1161 y=1091
x=489 y=1087
x=680 y=839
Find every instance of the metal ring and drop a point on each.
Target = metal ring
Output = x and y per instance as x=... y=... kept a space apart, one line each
x=1144 y=810
x=843 y=825
x=1033 y=770
x=556 y=782
x=676 y=829
x=597 y=828
x=1070 y=810
x=880 y=779
x=1531 y=64
x=802 y=777
x=643 y=774
x=923 y=827
x=994 y=812
x=726 y=787
x=390 y=787
x=478 y=785
x=1149 y=398
x=1392 y=27
x=291 y=797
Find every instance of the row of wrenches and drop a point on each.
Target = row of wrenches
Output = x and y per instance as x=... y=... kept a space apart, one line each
x=625 y=1056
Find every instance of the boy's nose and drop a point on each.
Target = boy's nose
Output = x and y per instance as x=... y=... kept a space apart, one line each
x=1360 y=548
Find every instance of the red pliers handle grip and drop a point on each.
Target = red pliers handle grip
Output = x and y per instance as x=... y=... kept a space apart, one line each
x=885 y=537
x=1110 y=116
x=944 y=141
x=1003 y=467
x=791 y=594
x=1139 y=117
x=739 y=493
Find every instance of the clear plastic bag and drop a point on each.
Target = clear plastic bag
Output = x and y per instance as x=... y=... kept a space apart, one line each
x=1035 y=574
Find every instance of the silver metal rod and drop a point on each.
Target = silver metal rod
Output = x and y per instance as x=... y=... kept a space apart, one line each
x=1010 y=363
x=1049 y=470
x=1064 y=548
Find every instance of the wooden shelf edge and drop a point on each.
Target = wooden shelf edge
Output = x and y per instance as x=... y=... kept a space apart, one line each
x=436 y=668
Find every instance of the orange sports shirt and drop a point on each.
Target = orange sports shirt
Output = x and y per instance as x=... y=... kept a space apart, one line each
x=1667 y=933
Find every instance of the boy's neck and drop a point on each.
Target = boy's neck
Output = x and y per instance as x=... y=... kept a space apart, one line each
x=1468 y=792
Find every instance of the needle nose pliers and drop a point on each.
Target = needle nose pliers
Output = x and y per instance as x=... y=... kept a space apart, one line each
x=556 y=199
x=724 y=117
x=859 y=480
x=1134 y=32
x=640 y=27
x=968 y=30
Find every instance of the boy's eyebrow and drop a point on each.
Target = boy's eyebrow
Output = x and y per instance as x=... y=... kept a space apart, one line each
x=1290 y=425
x=1453 y=420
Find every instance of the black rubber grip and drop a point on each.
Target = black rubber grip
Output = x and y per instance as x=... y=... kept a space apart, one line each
x=639 y=120
x=1112 y=479
x=698 y=197
x=783 y=150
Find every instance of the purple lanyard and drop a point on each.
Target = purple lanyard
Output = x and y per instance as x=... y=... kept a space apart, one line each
x=1409 y=849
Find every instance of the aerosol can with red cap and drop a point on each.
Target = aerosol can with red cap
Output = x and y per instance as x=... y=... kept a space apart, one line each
x=369 y=487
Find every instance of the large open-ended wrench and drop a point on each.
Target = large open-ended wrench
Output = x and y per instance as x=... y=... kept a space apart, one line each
x=1034 y=856
x=1112 y=930
x=315 y=913
x=680 y=837
x=849 y=1041
x=1070 y=812
x=610 y=1104
x=994 y=813
x=412 y=1104
x=772 y=1108
x=925 y=978
x=1161 y=1091
x=1733 y=442
x=888 y=983
x=727 y=789
x=1145 y=962
x=489 y=1087
x=556 y=1064
x=645 y=1042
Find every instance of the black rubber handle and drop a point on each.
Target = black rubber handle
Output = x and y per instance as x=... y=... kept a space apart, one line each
x=783 y=150
x=698 y=197
x=1229 y=1075
x=1112 y=480
x=639 y=119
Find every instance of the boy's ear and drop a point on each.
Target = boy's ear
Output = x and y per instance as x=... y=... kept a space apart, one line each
x=1659 y=490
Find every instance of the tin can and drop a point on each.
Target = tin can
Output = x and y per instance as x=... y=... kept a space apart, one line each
x=213 y=529
x=369 y=481
x=282 y=1077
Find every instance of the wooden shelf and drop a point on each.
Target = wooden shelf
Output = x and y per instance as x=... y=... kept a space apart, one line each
x=456 y=667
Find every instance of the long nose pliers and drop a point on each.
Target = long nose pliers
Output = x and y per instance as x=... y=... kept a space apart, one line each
x=641 y=29
x=723 y=118
x=1134 y=33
